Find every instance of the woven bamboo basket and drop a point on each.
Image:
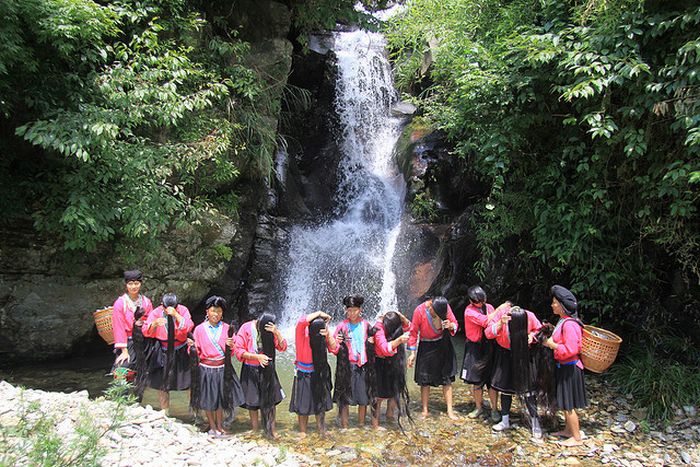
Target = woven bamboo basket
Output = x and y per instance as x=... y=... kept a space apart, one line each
x=599 y=348
x=103 y=321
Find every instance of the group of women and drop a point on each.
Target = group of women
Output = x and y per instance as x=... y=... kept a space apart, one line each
x=507 y=350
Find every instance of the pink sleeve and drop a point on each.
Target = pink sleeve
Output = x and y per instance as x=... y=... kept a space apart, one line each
x=452 y=319
x=477 y=318
x=407 y=327
x=197 y=341
x=570 y=346
x=338 y=328
x=281 y=345
x=239 y=343
x=119 y=324
x=147 y=308
x=490 y=330
x=147 y=329
x=382 y=345
x=185 y=326
x=415 y=327
x=533 y=324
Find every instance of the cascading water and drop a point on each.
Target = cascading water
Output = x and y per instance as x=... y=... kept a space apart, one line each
x=351 y=253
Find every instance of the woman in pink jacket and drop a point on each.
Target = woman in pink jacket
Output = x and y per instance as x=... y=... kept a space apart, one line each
x=566 y=344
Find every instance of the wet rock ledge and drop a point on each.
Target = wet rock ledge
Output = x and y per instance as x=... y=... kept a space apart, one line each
x=143 y=436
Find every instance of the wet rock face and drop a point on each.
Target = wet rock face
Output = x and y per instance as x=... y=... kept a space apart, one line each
x=47 y=295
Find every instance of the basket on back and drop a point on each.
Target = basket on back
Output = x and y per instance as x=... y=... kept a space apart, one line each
x=599 y=348
x=103 y=321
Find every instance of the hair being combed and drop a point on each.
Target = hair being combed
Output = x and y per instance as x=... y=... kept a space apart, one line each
x=370 y=373
x=268 y=373
x=195 y=388
x=342 y=392
x=229 y=373
x=397 y=367
x=544 y=369
x=141 y=368
x=519 y=349
x=321 y=376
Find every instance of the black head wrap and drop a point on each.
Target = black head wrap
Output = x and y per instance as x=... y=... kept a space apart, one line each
x=133 y=275
x=566 y=298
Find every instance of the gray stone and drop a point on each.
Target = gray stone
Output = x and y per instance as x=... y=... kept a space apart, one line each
x=630 y=426
x=685 y=457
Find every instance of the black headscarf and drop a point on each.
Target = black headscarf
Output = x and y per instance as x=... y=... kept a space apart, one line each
x=566 y=299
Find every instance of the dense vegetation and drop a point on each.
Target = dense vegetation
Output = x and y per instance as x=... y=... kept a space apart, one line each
x=583 y=118
x=120 y=120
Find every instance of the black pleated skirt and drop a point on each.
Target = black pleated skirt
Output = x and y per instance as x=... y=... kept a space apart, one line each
x=211 y=387
x=571 y=388
x=358 y=386
x=477 y=363
x=436 y=362
x=382 y=368
x=501 y=377
x=180 y=378
x=302 y=402
x=251 y=377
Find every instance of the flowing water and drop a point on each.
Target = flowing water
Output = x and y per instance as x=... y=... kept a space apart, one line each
x=351 y=253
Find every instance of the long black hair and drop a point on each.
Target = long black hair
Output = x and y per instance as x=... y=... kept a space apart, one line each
x=140 y=366
x=439 y=305
x=195 y=389
x=543 y=367
x=477 y=296
x=519 y=349
x=342 y=392
x=321 y=376
x=353 y=301
x=169 y=300
x=397 y=366
x=370 y=373
x=267 y=374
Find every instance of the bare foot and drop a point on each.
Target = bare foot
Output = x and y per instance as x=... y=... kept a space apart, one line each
x=571 y=442
x=379 y=428
x=302 y=435
x=425 y=414
x=274 y=435
x=563 y=434
x=452 y=416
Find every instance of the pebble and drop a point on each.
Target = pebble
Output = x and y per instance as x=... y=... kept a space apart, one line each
x=685 y=457
x=690 y=410
x=630 y=426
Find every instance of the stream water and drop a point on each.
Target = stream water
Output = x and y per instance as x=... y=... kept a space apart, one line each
x=351 y=253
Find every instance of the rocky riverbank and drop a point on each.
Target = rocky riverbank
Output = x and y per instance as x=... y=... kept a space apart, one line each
x=617 y=434
x=53 y=428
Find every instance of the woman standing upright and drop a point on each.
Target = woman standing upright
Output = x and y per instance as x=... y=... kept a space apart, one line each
x=211 y=339
x=566 y=344
x=170 y=365
x=257 y=343
x=436 y=363
x=478 y=352
x=123 y=318
x=353 y=333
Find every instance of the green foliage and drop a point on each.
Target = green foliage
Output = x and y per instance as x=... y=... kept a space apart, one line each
x=35 y=439
x=319 y=15
x=140 y=114
x=224 y=252
x=659 y=383
x=424 y=208
x=583 y=117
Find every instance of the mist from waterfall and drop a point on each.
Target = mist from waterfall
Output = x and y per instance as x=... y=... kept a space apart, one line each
x=352 y=252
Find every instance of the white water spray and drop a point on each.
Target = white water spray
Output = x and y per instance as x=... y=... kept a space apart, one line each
x=352 y=252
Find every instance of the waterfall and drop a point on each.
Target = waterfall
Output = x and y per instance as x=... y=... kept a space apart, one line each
x=351 y=252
